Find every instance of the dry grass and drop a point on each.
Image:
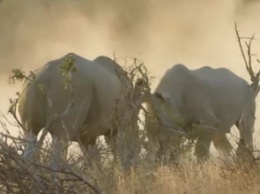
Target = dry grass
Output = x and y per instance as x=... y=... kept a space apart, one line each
x=79 y=176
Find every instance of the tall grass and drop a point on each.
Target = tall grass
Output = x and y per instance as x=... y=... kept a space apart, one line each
x=80 y=174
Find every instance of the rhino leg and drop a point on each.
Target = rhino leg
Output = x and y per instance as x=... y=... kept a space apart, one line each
x=111 y=142
x=164 y=153
x=91 y=151
x=30 y=145
x=64 y=128
x=128 y=141
x=246 y=128
x=222 y=144
x=153 y=148
x=59 y=147
x=127 y=146
x=205 y=136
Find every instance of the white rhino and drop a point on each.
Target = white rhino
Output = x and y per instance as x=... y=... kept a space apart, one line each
x=79 y=114
x=205 y=103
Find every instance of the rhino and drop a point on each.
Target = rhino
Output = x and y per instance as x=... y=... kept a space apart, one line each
x=79 y=112
x=202 y=104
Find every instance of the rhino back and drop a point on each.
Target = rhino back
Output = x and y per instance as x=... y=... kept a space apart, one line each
x=90 y=77
x=225 y=94
x=91 y=82
x=213 y=96
x=222 y=87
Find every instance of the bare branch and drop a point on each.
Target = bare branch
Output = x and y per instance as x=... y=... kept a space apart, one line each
x=248 y=60
x=240 y=46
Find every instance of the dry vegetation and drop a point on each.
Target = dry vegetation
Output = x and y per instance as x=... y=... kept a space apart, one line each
x=82 y=174
x=78 y=176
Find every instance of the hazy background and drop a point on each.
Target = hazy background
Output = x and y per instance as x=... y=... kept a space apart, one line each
x=160 y=33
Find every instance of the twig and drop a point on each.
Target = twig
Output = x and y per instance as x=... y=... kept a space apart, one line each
x=70 y=173
x=248 y=61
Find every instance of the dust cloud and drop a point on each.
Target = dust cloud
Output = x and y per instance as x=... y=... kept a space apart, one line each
x=160 y=33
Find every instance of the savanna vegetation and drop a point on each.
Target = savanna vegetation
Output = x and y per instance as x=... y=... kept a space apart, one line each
x=102 y=173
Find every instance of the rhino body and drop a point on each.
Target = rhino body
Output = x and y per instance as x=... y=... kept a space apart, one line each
x=205 y=103
x=80 y=113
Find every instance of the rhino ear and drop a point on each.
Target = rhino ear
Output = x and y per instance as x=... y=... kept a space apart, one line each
x=160 y=96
